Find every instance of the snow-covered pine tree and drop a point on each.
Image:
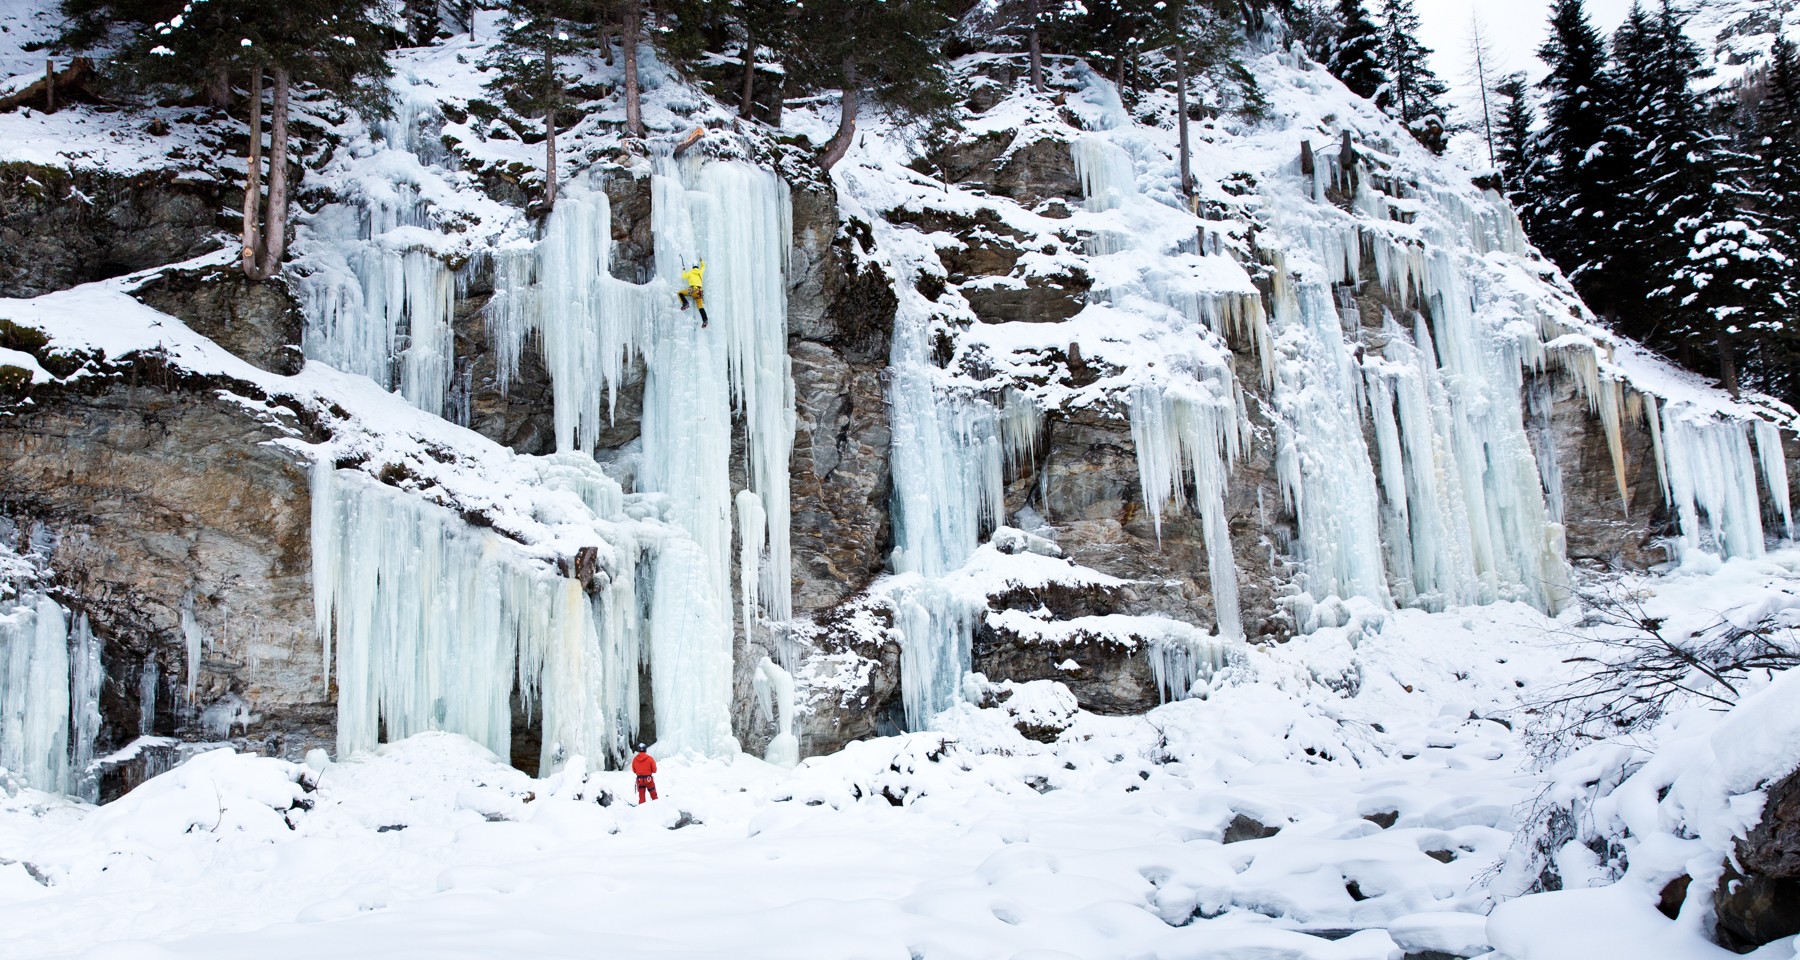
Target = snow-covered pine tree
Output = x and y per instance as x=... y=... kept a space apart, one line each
x=1413 y=94
x=1720 y=268
x=1199 y=37
x=889 y=49
x=1570 y=212
x=1356 y=56
x=537 y=37
x=752 y=32
x=335 y=45
x=1516 y=148
x=1775 y=146
x=1615 y=270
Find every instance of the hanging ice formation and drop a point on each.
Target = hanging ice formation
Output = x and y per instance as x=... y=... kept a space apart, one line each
x=50 y=679
x=1458 y=494
x=404 y=667
x=737 y=218
x=433 y=620
x=1186 y=423
x=774 y=689
x=376 y=289
x=1711 y=479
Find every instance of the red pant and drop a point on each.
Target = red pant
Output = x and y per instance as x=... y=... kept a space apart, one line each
x=646 y=783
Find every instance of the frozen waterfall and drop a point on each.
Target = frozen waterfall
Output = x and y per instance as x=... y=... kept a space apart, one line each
x=50 y=677
x=375 y=282
x=432 y=619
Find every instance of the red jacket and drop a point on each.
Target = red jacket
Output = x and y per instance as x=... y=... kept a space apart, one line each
x=643 y=764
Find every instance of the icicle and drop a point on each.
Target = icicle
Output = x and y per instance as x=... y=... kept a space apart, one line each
x=1178 y=662
x=1712 y=477
x=1107 y=172
x=1654 y=420
x=147 y=684
x=194 y=636
x=1774 y=471
x=430 y=617
x=591 y=323
x=1183 y=431
x=86 y=676
x=1321 y=460
x=751 y=534
x=385 y=313
x=775 y=698
x=34 y=691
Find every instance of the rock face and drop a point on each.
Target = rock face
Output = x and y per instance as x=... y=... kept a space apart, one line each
x=1760 y=902
x=1571 y=446
x=59 y=227
x=175 y=522
x=258 y=322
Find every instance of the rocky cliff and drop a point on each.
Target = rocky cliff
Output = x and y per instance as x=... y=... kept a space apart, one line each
x=1041 y=418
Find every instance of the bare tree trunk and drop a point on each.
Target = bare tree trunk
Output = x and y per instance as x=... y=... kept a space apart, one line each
x=550 y=99
x=1181 y=124
x=253 y=179
x=780 y=101
x=218 y=89
x=634 y=16
x=1036 y=47
x=49 y=85
x=274 y=228
x=747 y=93
x=846 y=131
x=1728 y=377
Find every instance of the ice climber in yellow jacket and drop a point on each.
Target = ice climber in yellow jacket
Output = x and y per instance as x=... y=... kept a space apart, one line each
x=692 y=277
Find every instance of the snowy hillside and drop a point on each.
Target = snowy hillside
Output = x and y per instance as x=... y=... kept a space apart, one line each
x=1013 y=559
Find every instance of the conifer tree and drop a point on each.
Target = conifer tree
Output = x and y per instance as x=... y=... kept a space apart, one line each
x=1720 y=266
x=536 y=38
x=335 y=45
x=1356 y=57
x=1570 y=213
x=889 y=49
x=1515 y=150
x=1413 y=94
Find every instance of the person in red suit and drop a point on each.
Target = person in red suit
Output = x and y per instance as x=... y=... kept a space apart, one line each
x=644 y=765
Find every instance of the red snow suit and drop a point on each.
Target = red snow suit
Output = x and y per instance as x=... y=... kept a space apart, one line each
x=644 y=765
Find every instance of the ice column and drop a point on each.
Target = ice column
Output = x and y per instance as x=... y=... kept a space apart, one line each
x=736 y=218
x=34 y=691
x=775 y=699
x=1774 y=470
x=1321 y=461
x=690 y=649
x=86 y=675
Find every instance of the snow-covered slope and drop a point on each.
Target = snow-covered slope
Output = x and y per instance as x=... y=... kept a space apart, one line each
x=1305 y=456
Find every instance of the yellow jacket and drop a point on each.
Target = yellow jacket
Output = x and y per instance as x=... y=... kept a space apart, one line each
x=691 y=276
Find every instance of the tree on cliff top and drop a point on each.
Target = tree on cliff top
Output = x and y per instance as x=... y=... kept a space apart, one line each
x=332 y=45
x=889 y=49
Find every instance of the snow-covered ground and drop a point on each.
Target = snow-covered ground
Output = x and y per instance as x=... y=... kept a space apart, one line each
x=1390 y=753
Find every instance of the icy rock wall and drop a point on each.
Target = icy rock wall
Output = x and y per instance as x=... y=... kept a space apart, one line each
x=375 y=283
x=399 y=667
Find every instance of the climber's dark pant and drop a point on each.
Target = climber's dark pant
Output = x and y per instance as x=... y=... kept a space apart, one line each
x=699 y=301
